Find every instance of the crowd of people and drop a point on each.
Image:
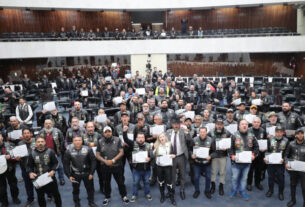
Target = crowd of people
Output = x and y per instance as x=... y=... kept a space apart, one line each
x=163 y=124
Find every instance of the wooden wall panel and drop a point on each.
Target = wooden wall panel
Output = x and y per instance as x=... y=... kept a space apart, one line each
x=14 y=20
x=235 y=18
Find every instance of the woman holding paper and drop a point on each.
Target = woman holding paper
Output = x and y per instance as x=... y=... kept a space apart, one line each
x=163 y=152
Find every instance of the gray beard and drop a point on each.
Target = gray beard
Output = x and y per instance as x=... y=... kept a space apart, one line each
x=48 y=130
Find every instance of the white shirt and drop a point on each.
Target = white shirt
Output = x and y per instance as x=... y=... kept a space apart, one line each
x=179 y=150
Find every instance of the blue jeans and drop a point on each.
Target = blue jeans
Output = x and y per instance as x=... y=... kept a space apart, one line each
x=239 y=177
x=137 y=176
x=60 y=169
x=197 y=171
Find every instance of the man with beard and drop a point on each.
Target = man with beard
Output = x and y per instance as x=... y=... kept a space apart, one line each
x=152 y=105
x=272 y=117
x=54 y=140
x=243 y=140
x=78 y=112
x=229 y=118
x=43 y=160
x=30 y=145
x=219 y=160
x=74 y=131
x=148 y=116
x=57 y=118
x=296 y=151
x=192 y=96
x=289 y=120
x=167 y=114
x=79 y=164
x=117 y=115
x=14 y=126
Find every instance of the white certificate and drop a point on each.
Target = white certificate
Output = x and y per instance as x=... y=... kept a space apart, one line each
x=50 y=106
x=164 y=160
x=117 y=100
x=210 y=126
x=139 y=157
x=290 y=132
x=140 y=91
x=16 y=134
x=243 y=157
x=189 y=114
x=42 y=180
x=201 y=152
x=101 y=118
x=262 y=143
x=179 y=111
x=2 y=161
x=19 y=151
x=274 y=158
x=108 y=78
x=297 y=165
x=271 y=130
x=130 y=136
x=94 y=150
x=249 y=118
x=157 y=129
x=121 y=138
x=232 y=128
x=84 y=93
x=237 y=102
x=224 y=143
x=81 y=123
x=256 y=102
x=128 y=76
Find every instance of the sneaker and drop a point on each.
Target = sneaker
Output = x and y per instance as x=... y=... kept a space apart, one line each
x=29 y=203
x=148 y=197
x=232 y=194
x=106 y=201
x=133 y=199
x=125 y=200
x=62 y=182
x=245 y=196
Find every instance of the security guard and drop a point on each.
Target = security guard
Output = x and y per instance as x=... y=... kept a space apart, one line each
x=43 y=160
x=277 y=144
x=109 y=152
x=79 y=165
x=296 y=151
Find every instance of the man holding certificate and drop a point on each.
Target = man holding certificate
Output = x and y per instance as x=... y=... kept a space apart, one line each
x=201 y=154
x=78 y=112
x=79 y=165
x=141 y=155
x=43 y=160
x=243 y=151
x=296 y=152
x=276 y=144
x=257 y=166
x=220 y=154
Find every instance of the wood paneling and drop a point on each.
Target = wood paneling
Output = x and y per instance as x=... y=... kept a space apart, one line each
x=235 y=18
x=16 y=20
x=259 y=65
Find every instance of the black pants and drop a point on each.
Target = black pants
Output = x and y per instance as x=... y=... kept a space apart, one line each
x=295 y=177
x=127 y=156
x=164 y=175
x=257 y=168
x=277 y=171
x=117 y=173
x=88 y=185
x=50 y=189
x=10 y=178
x=100 y=176
x=28 y=185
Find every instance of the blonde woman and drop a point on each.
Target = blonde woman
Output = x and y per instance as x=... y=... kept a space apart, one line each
x=163 y=148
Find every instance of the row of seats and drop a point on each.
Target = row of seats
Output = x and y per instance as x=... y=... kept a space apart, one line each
x=253 y=32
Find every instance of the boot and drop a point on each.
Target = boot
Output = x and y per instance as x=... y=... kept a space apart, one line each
x=172 y=195
x=212 y=188
x=270 y=191
x=221 y=191
x=162 y=188
x=281 y=193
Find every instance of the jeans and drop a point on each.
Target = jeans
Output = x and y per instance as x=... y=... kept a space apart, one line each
x=239 y=177
x=197 y=171
x=60 y=169
x=137 y=176
x=279 y=172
